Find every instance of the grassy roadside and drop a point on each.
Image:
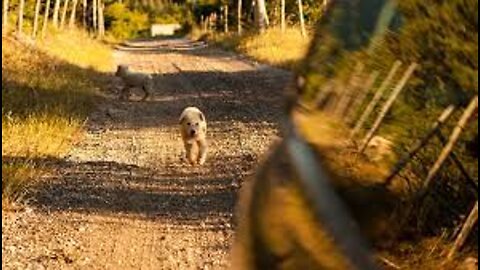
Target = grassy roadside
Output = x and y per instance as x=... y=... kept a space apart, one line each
x=48 y=89
x=273 y=47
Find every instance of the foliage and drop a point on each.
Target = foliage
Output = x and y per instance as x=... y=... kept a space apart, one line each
x=124 y=23
x=442 y=37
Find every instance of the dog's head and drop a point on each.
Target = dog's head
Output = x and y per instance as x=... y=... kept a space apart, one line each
x=193 y=123
x=121 y=69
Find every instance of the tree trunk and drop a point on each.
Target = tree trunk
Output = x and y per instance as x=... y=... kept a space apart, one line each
x=94 y=15
x=261 y=18
x=21 y=7
x=239 y=17
x=45 y=18
x=73 y=13
x=5 y=16
x=56 y=9
x=282 y=15
x=84 y=13
x=64 y=14
x=101 y=23
x=302 y=20
x=35 y=18
x=225 y=18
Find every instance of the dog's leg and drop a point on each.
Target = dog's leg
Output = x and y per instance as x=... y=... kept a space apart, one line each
x=146 y=89
x=125 y=93
x=190 y=153
x=202 y=144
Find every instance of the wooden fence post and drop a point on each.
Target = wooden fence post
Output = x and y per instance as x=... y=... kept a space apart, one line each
x=457 y=162
x=446 y=114
x=346 y=94
x=450 y=144
x=466 y=229
x=388 y=105
x=351 y=110
x=378 y=95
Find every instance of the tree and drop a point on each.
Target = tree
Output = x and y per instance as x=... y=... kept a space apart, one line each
x=45 y=18
x=261 y=17
x=101 y=22
x=56 y=9
x=94 y=15
x=302 y=20
x=84 y=13
x=225 y=18
x=21 y=7
x=5 y=15
x=73 y=13
x=282 y=15
x=64 y=14
x=239 y=17
x=35 y=18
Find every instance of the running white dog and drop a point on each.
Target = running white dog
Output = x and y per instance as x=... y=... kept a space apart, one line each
x=134 y=79
x=193 y=127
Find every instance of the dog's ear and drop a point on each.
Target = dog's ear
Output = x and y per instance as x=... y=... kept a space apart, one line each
x=182 y=117
x=202 y=117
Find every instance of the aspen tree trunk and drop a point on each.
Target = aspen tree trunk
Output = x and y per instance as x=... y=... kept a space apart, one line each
x=35 y=18
x=84 y=13
x=45 y=18
x=21 y=7
x=302 y=20
x=239 y=17
x=101 y=22
x=282 y=15
x=73 y=14
x=56 y=9
x=5 y=16
x=225 y=18
x=94 y=15
x=64 y=14
x=261 y=18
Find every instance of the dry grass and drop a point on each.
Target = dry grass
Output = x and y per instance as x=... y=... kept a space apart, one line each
x=272 y=47
x=47 y=92
x=78 y=48
x=331 y=136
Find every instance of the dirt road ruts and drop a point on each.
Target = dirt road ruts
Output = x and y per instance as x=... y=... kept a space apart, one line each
x=123 y=198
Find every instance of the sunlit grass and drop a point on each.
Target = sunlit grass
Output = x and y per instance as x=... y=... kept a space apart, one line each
x=78 y=48
x=15 y=178
x=48 y=90
x=274 y=47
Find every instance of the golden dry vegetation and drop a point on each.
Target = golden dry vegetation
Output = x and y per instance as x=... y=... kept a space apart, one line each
x=47 y=92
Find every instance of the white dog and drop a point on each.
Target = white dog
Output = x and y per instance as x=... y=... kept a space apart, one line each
x=193 y=127
x=134 y=79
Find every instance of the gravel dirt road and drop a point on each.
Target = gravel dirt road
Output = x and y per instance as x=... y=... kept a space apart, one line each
x=123 y=198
